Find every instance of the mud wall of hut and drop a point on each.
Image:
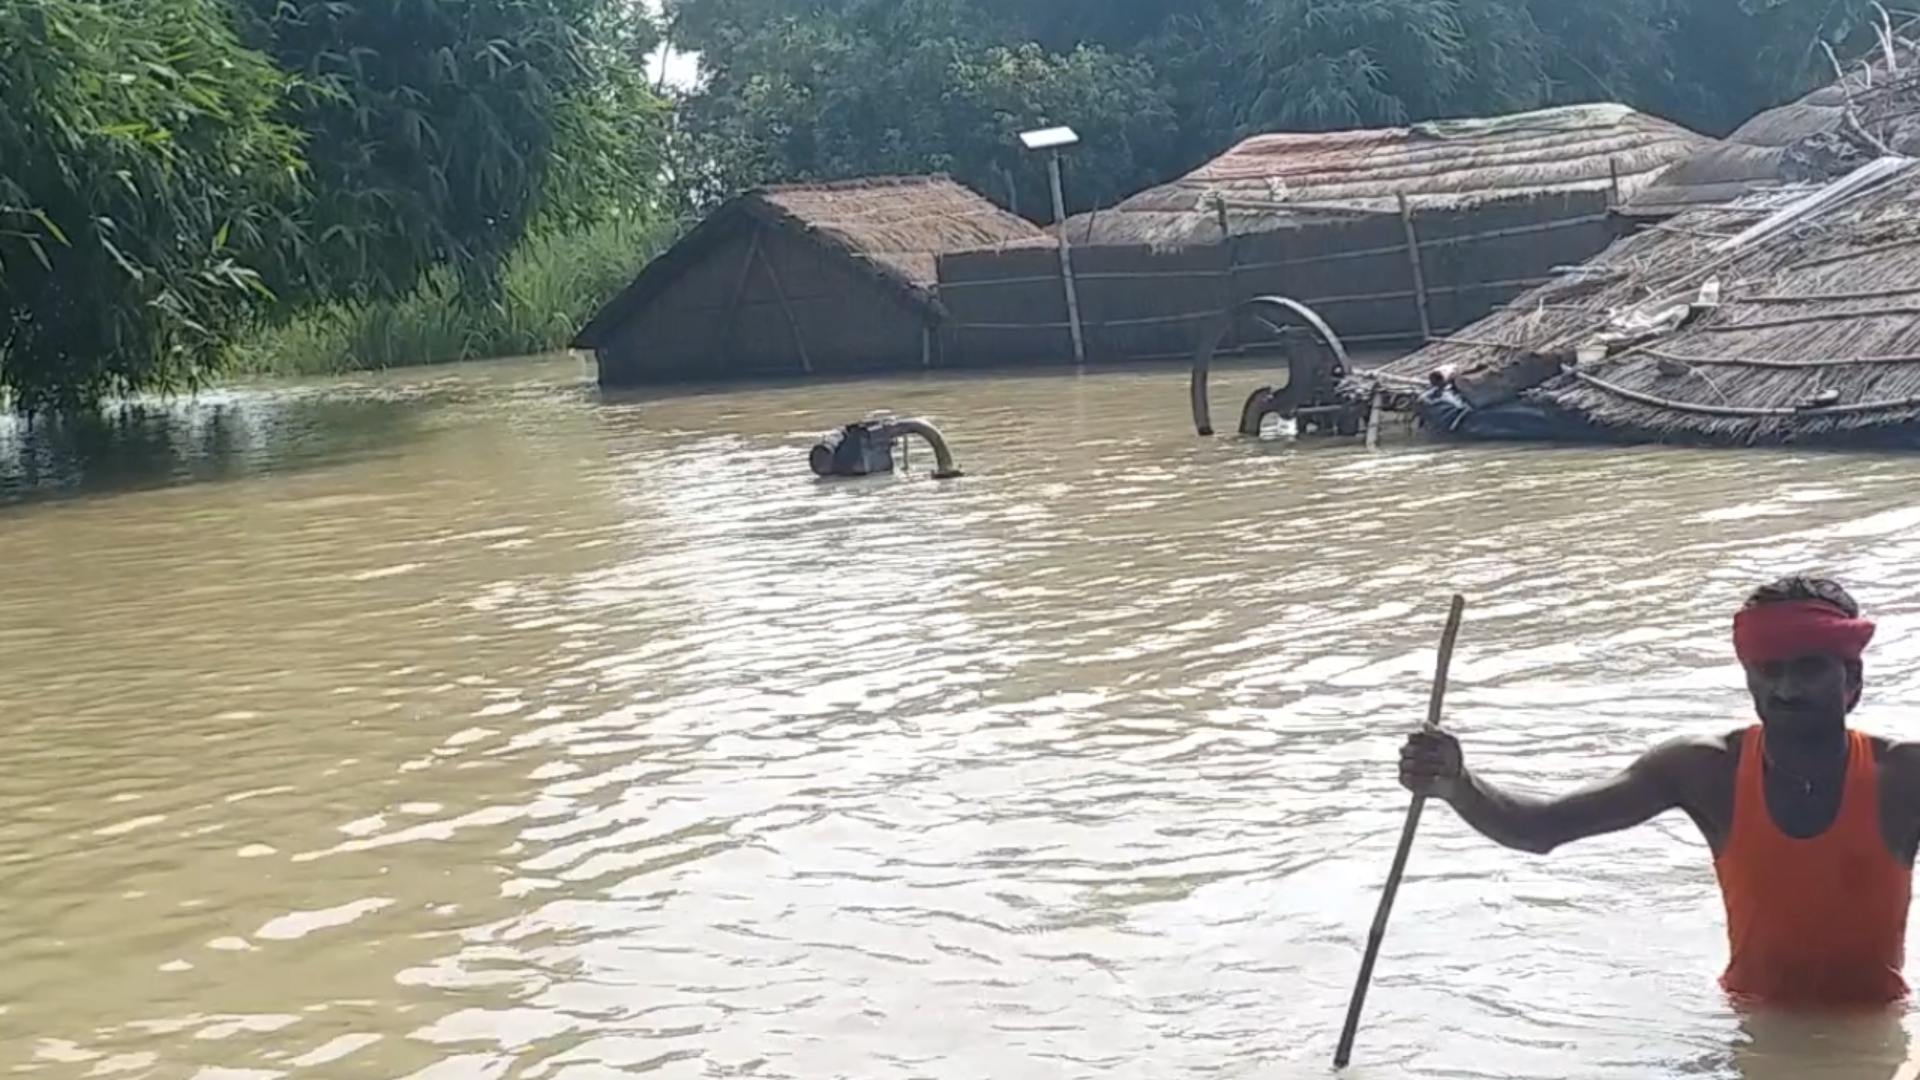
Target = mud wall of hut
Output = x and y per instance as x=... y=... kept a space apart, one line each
x=764 y=303
x=1136 y=303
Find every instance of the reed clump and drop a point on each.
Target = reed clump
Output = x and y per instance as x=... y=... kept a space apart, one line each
x=553 y=283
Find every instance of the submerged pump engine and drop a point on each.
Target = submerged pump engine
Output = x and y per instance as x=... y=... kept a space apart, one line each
x=865 y=448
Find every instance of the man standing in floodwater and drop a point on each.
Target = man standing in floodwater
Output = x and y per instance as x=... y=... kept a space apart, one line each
x=1813 y=826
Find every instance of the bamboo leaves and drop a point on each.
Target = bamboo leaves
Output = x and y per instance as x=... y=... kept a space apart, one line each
x=132 y=138
x=173 y=169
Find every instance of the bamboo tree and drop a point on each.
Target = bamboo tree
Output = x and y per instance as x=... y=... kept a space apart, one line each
x=144 y=182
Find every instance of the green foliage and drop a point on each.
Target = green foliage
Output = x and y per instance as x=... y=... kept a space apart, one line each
x=908 y=86
x=142 y=179
x=803 y=89
x=1127 y=127
x=610 y=142
x=551 y=284
x=172 y=171
x=434 y=127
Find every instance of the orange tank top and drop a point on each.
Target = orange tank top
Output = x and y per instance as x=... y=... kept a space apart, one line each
x=1821 y=921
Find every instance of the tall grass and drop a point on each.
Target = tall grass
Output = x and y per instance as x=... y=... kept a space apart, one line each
x=554 y=281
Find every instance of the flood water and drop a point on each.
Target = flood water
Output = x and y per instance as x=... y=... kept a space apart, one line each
x=466 y=726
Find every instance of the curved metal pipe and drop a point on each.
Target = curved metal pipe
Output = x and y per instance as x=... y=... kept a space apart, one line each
x=1260 y=306
x=1258 y=405
x=943 y=466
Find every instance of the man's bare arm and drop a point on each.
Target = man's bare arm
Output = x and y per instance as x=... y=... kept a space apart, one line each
x=1900 y=799
x=1642 y=791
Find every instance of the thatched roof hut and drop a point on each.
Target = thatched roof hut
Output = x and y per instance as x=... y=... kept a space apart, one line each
x=796 y=279
x=1813 y=338
x=1873 y=110
x=1271 y=181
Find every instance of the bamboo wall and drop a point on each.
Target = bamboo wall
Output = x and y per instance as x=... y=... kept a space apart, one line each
x=768 y=302
x=764 y=302
x=1009 y=307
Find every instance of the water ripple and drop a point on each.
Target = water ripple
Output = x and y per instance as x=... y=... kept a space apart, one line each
x=580 y=739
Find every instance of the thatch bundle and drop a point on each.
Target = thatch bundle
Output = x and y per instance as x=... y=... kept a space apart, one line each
x=1288 y=178
x=1815 y=338
x=1871 y=110
x=897 y=224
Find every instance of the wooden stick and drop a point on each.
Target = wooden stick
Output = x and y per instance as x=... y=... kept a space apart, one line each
x=780 y=294
x=733 y=300
x=1344 y=1053
x=1419 y=274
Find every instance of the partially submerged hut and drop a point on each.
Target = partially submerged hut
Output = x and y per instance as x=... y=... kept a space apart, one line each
x=1289 y=178
x=1867 y=113
x=1788 y=316
x=1392 y=236
x=797 y=279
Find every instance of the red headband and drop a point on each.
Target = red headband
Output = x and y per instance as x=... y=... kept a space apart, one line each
x=1784 y=629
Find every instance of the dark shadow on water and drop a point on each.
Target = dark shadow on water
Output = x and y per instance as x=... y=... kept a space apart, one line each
x=227 y=436
x=642 y=395
x=1175 y=370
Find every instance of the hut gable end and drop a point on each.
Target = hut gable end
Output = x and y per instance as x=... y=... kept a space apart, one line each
x=890 y=230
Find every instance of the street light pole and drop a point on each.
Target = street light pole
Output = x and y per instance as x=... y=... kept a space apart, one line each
x=1053 y=140
x=1066 y=260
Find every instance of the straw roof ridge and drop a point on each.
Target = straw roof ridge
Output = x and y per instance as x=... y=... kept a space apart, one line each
x=1284 y=178
x=890 y=228
x=1809 y=138
x=1815 y=337
x=899 y=225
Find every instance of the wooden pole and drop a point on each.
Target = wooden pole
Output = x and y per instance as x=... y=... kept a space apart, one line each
x=1613 y=183
x=733 y=300
x=780 y=294
x=1419 y=274
x=1344 y=1052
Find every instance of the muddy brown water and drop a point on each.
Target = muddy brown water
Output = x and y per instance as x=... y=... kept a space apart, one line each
x=466 y=725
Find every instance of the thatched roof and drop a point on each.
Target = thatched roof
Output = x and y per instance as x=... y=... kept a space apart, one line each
x=1815 y=336
x=1811 y=140
x=892 y=228
x=1270 y=181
